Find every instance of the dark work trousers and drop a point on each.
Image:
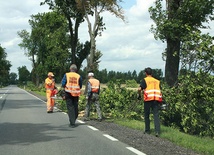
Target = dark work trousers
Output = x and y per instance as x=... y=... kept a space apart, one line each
x=72 y=107
x=154 y=106
x=93 y=99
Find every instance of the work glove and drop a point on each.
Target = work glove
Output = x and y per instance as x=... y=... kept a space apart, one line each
x=139 y=97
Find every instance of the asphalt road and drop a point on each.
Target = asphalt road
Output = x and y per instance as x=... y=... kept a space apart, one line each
x=26 y=129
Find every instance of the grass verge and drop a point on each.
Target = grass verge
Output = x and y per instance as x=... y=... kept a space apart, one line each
x=198 y=144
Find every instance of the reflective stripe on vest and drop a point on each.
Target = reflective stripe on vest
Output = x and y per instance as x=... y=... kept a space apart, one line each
x=72 y=85
x=152 y=91
x=94 y=85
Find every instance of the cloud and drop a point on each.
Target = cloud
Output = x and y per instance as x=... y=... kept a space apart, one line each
x=140 y=8
x=126 y=46
x=14 y=16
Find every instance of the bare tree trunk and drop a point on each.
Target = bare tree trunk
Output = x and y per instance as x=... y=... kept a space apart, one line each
x=92 y=35
x=172 y=61
x=73 y=48
x=173 y=46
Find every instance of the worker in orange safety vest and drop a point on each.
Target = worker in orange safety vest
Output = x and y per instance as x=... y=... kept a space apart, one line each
x=50 y=86
x=72 y=83
x=152 y=99
x=92 y=96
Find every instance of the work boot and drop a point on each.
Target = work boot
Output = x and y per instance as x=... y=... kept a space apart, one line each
x=99 y=119
x=157 y=134
x=72 y=125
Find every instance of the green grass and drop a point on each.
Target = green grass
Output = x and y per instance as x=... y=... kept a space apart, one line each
x=40 y=93
x=200 y=145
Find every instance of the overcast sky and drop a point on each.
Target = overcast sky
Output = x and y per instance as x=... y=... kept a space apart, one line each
x=125 y=46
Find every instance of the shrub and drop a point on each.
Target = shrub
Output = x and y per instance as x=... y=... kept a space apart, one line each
x=191 y=105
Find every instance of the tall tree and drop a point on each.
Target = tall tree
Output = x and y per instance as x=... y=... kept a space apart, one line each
x=174 y=23
x=13 y=78
x=4 y=67
x=92 y=10
x=47 y=44
x=68 y=8
x=24 y=75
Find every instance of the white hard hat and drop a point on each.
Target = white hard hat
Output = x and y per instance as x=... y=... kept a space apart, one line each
x=90 y=74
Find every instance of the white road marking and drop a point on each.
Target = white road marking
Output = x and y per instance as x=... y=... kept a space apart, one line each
x=32 y=95
x=81 y=122
x=135 y=151
x=93 y=128
x=110 y=137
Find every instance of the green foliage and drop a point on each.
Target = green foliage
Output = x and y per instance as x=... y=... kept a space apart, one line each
x=24 y=74
x=131 y=84
x=68 y=10
x=82 y=103
x=191 y=105
x=13 y=78
x=47 y=44
x=61 y=104
x=4 y=68
x=198 y=52
x=120 y=102
x=198 y=105
x=32 y=87
x=180 y=17
x=175 y=24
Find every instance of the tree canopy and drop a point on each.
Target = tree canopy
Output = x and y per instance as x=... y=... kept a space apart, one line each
x=74 y=17
x=174 y=24
x=4 y=67
x=47 y=44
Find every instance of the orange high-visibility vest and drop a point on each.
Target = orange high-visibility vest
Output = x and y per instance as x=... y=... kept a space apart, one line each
x=94 y=85
x=152 y=91
x=72 y=85
x=49 y=84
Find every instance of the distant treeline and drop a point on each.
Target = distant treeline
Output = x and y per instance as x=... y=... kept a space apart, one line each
x=105 y=76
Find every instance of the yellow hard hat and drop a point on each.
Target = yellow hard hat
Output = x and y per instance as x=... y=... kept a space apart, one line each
x=50 y=74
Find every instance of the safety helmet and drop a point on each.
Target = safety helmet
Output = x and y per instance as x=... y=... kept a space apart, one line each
x=90 y=74
x=50 y=74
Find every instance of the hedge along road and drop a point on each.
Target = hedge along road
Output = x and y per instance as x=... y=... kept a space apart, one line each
x=26 y=128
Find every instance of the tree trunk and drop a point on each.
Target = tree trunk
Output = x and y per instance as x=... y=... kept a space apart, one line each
x=92 y=52
x=73 y=48
x=173 y=47
x=172 y=61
